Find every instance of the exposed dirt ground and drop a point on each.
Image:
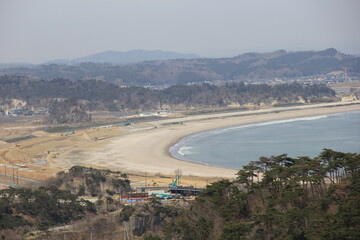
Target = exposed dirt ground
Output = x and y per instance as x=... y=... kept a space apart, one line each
x=42 y=156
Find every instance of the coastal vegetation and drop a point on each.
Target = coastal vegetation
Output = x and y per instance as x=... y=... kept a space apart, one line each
x=276 y=197
x=84 y=181
x=70 y=99
x=60 y=201
x=40 y=208
x=17 y=139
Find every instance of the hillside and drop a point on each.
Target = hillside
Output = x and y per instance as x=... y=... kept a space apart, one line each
x=276 y=197
x=60 y=201
x=116 y=57
x=246 y=67
x=100 y=95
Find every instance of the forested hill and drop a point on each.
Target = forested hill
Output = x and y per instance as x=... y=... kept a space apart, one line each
x=274 y=198
x=247 y=67
x=277 y=198
x=100 y=95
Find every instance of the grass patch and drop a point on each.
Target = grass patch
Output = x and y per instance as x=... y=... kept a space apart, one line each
x=64 y=128
x=11 y=140
x=173 y=123
x=211 y=111
x=321 y=100
x=288 y=104
x=58 y=129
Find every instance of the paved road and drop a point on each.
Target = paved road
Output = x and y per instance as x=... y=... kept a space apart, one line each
x=20 y=118
x=247 y=113
x=20 y=178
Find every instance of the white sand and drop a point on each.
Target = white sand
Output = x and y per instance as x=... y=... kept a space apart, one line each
x=147 y=150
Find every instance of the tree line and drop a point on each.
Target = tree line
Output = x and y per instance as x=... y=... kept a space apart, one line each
x=100 y=95
x=246 y=67
x=277 y=197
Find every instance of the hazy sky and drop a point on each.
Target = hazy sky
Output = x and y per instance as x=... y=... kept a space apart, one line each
x=40 y=30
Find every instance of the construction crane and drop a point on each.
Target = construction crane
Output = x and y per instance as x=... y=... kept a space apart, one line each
x=174 y=183
x=163 y=195
x=69 y=132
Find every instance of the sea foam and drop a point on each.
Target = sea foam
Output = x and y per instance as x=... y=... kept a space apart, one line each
x=222 y=130
x=184 y=150
x=235 y=146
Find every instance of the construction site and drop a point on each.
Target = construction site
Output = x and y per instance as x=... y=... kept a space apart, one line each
x=29 y=153
x=147 y=178
x=174 y=191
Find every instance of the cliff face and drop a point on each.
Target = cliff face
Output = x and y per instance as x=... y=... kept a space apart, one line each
x=150 y=218
x=12 y=103
x=68 y=111
x=84 y=181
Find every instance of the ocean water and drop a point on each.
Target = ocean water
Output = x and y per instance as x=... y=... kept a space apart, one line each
x=234 y=147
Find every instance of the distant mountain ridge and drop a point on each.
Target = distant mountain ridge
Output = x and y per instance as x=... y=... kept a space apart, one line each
x=15 y=65
x=246 y=67
x=117 y=57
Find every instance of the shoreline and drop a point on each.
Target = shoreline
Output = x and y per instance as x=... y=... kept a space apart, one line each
x=253 y=113
x=148 y=150
x=174 y=149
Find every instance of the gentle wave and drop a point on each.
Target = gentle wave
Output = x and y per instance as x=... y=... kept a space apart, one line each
x=268 y=123
x=234 y=147
x=184 y=150
x=180 y=150
x=240 y=149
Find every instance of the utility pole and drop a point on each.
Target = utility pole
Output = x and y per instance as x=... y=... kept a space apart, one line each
x=13 y=175
x=124 y=234
x=91 y=233
x=145 y=180
x=126 y=231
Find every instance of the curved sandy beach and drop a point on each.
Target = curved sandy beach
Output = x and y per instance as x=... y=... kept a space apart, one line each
x=146 y=149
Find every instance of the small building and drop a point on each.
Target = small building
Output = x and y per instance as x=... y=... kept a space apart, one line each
x=21 y=165
x=186 y=191
x=29 y=113
x=160 y=194
x=134 y=197
x=17 y=112
x=164 y=113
